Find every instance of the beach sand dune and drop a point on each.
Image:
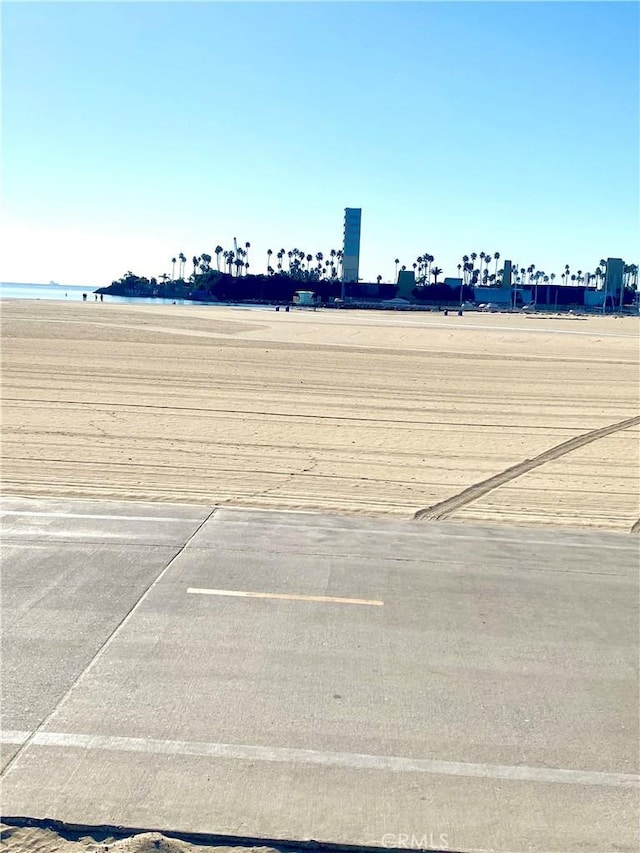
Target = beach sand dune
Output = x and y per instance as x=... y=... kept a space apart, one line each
x=343 y=411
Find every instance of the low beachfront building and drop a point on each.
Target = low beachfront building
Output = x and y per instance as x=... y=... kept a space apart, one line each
x=304 y=297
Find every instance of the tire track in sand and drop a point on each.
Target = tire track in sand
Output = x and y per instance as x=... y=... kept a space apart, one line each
x=472 y=493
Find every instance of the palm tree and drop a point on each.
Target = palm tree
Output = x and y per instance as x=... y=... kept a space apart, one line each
x=309 y=259
x=603 y=265
x=195 y=260
x=241 y=254
x=269 y=253
x=173 y=269
x=247 y=246
x=218 y=250
x=430 y=260
x=183 y=261
x=379 y=279
x=598 y=275
x=396 y=262
x=435 y=272
x=536 y=278
x=496 y=258
x=465 y=262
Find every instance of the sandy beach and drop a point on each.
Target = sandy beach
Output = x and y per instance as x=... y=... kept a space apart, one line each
x=36 y=839
x=374 y=413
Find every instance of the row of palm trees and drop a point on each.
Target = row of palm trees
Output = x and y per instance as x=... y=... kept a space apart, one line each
x=474 y=269
x=295 y=263
x=300 y=264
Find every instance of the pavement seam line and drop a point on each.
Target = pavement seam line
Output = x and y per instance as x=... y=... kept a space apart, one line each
x=472 y=493
x=163 y=518
x=125 y=619
x=358 y=761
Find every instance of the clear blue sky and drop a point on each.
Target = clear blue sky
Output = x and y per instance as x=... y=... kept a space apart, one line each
x=134 y=131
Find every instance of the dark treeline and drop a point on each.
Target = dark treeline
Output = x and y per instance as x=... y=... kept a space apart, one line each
x=213 y=286
x=276 y=288
x=224 y=287
x=225 y=277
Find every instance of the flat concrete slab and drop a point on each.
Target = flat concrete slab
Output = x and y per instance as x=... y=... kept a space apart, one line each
x=72 y=570
x=355 y=681
x=127 y=522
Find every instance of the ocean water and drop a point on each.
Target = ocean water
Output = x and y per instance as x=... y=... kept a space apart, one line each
x=10 y=290
x=73 y=293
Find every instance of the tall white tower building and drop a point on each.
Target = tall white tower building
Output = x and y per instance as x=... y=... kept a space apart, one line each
x=351 y=244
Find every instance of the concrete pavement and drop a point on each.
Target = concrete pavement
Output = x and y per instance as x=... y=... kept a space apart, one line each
x=71 y=571
x=468 y=686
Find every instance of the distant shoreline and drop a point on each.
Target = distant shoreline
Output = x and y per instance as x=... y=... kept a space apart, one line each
x=58 y=293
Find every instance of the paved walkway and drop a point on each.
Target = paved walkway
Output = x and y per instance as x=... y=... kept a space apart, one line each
x=297 y=676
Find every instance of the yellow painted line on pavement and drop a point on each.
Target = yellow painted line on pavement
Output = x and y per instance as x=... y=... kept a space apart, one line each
x=286 y=596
